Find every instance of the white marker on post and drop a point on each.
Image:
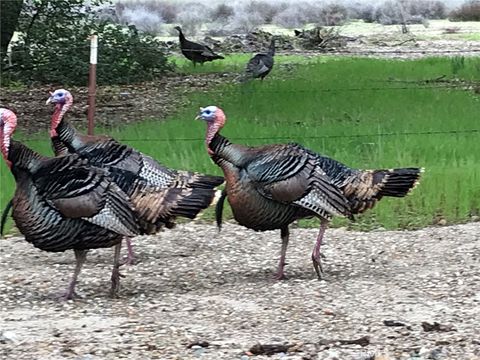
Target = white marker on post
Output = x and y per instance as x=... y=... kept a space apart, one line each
x=92 y=83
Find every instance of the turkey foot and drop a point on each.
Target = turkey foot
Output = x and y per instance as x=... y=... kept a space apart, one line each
x=280 y=275
x=317 y=265
x=69 y=294
x=115 y=282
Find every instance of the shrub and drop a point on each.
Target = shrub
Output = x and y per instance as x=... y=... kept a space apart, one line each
x=292 y=17
x=390 y=12
x=266 y=10
x=246 y=22
x=166 y=10
x=468 y=11
x=409 y=11
x=144 y=19
x=192 y=16
x=53 y=47
x=222 y=13
x=333 y=14
x=429 y=9
x=365 y=12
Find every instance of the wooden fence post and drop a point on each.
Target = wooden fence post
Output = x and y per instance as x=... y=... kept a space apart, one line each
x=92 y=83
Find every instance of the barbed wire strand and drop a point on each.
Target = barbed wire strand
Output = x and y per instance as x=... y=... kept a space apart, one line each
x=289 y=137
x=279 y=52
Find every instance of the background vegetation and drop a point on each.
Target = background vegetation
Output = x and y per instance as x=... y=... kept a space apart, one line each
x=53 y=46
x=225 y=17
x=386 y=115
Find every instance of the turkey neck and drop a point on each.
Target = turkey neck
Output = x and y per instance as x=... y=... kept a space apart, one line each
x=224 y=150
x=181 y=36
x=23 y=159
x=271 y=50
x=67 y=137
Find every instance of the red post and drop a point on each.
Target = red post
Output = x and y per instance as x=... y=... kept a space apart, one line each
x=92 y=83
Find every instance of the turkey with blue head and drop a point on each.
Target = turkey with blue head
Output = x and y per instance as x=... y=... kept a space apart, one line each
x=160 y=194
x=271 y=186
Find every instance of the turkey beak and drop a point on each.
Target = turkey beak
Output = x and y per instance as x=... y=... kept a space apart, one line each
x=199 y=116
x=49 y=100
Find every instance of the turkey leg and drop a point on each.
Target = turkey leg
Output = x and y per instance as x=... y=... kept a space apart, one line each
x=316 y=250
x=80 y=257
x=116 y=271
x=281 y=264
x=130 y=260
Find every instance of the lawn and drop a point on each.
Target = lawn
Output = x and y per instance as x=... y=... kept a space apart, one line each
x=367 y=113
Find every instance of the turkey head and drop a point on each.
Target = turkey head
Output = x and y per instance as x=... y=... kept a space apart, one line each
x=215 y=119
x=63 y=101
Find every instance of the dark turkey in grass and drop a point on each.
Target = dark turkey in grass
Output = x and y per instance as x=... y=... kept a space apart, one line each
x=63 y=203
x=158 y=193
x=261 y=64
x=268 y=187
x=197 y=53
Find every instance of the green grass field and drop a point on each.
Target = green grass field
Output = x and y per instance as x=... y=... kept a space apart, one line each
x=366 y=113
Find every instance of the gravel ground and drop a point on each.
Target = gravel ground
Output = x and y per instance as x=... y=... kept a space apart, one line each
x=198 y=294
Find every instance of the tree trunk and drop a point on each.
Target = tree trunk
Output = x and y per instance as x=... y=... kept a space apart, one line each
x=9 y=13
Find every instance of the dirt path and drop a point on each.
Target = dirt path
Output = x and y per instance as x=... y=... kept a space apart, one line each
x=197 y=294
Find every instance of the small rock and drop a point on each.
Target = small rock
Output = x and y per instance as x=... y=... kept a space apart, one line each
x=437 y=327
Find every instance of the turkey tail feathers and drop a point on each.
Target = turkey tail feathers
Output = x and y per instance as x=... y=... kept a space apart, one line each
x=398 y=182
x=205 y=181
x=219 y=210
x=193 y=203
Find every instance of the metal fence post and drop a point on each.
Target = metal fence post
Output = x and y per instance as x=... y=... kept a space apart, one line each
x=92 y=83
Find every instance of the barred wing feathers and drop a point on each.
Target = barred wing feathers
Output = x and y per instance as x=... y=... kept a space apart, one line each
x=77 y=190
x=289 y=174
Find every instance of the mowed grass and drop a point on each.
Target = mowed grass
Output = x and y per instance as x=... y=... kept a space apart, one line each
x=366 y=113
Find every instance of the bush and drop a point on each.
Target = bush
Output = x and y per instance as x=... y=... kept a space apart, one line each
x=411 y=12
x=266 y=10
x=192 y=16
x=166 y=10
x=222 y=13
x=246 y=22
x=54 y=47
x=365 y=12
x=144 y=19
x=292 y=17
x=468 y=11
x=333 y=14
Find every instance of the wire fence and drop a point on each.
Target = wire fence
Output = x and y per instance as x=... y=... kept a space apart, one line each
x=438 y=83
x=351 y=51
x=289 y=137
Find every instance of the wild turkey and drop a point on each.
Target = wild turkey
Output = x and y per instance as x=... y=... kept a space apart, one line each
x=63 y=203
x=269 y=187
x=158 y=193
x=197 y=53
x=261 y=64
